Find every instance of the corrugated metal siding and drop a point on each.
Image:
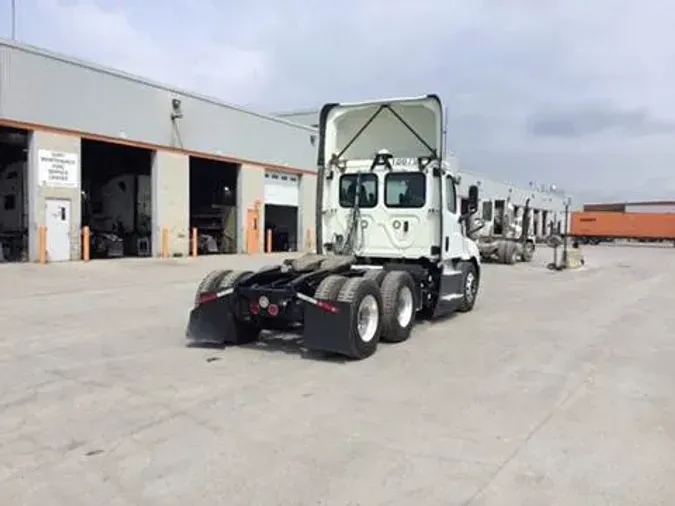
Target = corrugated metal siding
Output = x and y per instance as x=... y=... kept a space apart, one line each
x=4 y=76
x=52 y=90
x=304 y=118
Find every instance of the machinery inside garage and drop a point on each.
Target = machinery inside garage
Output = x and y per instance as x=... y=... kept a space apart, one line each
x=282 y=199
x=117 y=199
x=213 y=205
x=13 y=195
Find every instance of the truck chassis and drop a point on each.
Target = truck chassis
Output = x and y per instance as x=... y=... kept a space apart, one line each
x=339 y=304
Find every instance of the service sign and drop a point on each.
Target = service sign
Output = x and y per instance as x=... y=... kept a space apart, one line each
x=58 y=169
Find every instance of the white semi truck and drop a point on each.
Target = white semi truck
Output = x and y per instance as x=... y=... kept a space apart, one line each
x=391 y=241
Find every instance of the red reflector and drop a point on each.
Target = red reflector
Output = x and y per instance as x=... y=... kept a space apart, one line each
x=273 y=310
x=208 y=298
x=327 y=307
x=255 y=309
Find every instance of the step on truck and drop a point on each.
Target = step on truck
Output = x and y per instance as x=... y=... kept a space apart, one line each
x=391 y=241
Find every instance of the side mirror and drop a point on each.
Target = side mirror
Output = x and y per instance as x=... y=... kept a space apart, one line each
x=473 y=198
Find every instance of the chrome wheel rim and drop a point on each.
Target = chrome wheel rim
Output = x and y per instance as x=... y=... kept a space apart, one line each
x=470 y=286
x=367 y=318
x=404 y=306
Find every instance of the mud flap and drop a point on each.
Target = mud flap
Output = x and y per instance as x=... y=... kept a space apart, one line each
x=326 y=331
x=212 y=323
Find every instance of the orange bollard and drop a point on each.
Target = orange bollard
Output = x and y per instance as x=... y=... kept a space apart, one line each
x=86 y=241
x=43 y=244
x=195 y=242
x=268 y=245
x=165 y=242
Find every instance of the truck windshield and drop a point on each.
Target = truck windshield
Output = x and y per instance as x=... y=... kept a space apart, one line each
x=405 y=189
x=367 y=190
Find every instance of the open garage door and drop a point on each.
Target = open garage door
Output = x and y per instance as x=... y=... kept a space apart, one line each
x=213 y=205
x=282 y=200
x=282 y=189
x=13 y=195
x=117 y=199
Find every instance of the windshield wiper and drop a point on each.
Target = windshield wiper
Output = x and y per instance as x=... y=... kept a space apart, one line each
x=336 y=157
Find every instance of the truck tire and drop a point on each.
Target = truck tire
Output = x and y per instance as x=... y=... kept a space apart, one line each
x=511 y=253
x=209 y=283
x=364 y=297
x=528 y=251
x=376 y=275
x=330 y=287
x=398 y=306
x=470 y=281
x=242 y=332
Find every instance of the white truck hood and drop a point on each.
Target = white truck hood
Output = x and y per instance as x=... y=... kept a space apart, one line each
x=405 y=127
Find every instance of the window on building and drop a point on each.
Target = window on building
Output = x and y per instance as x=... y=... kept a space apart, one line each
x=367 y=191
x=405 y=189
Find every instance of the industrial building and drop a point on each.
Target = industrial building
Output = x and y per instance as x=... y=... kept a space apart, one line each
x=139 y=166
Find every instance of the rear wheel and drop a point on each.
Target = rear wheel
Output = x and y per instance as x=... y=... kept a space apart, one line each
x=398 y=306
x=242 y=332
x=364 y=297
x=330 y=287
x=376 y=275
x=209 y=283
x=510 y=253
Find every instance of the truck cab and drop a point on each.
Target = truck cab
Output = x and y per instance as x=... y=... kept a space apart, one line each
x=386 y=192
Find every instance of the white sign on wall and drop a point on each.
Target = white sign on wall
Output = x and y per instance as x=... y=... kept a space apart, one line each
x=58 y=169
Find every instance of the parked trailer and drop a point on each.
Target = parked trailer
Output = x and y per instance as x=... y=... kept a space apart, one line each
x=392 y=241
x=596 y=227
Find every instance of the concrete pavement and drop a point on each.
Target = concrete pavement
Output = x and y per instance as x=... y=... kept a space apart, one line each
x=558 y=388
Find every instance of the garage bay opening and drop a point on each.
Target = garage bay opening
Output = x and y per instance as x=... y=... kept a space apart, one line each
x=117 y=199
x=213 y=205
x=282 y=199
x=13 y=195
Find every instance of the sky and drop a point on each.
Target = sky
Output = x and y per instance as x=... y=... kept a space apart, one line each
x=576 y=93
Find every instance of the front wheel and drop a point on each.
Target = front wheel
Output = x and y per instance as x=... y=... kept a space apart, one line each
x=528 y=251
x=364 y=297
x=470 y=279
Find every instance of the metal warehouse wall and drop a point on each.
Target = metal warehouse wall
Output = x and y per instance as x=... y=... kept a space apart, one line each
x=490 y=189
x=42 y=88
x=309 y=118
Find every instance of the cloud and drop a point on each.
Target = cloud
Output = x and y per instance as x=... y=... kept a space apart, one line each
x=573 y=92
x=575 y=123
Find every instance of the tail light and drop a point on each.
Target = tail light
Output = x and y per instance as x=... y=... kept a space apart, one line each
x=327 y=307
x=254 y=309
x=273 y=309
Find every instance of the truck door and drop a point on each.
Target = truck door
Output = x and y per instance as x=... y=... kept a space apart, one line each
x=453 y=233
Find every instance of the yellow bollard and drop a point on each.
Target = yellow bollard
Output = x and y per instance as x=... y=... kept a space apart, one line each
x=43 y=244
x=165 y=242
x=195 y=242
x=86 y=241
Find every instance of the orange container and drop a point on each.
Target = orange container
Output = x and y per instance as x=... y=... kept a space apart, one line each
x=650 y=226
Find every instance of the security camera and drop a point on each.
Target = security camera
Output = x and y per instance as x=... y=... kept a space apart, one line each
x=176 y=109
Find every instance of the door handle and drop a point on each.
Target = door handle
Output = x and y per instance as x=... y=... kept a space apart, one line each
x=447 y=243
x=405 y=226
